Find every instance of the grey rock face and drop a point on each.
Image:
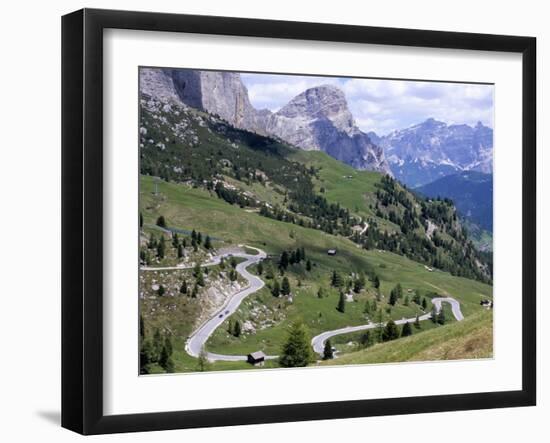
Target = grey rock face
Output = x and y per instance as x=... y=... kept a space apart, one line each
x=158 y=84
x=220 y=93
x=319 y=119
x=432 y=149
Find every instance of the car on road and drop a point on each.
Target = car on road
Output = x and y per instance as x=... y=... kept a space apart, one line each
x=226 y=312
x=220 y=316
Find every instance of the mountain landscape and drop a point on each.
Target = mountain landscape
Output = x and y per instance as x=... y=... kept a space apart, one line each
x=471 y=192
x=432 y=149
x=317 y=119
x=281 y=239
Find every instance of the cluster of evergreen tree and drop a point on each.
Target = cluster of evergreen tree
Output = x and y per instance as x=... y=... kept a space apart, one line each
x=460 y=259
x=456 y=255
x=281 y=289
x=292 y=257
x=233 y=196
x=156 y=246
x=157 y=350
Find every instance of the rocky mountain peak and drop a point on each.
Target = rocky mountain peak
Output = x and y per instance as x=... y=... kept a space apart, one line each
x=316 y=119
x=432 y=149
x=321 y=102
x=319 y=119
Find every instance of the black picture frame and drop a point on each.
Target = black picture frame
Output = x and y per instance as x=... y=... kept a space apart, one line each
x=82 y=215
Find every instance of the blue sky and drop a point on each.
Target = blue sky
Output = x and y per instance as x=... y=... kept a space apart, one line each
x=383 y=105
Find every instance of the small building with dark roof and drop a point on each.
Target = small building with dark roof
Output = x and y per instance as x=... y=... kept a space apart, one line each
x=331 y=252
x=256 y=358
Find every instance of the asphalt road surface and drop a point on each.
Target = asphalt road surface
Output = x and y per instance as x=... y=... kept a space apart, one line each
x=318 y=342
x=198 y=339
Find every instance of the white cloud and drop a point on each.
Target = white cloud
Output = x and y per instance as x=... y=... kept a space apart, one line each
x=383 y=105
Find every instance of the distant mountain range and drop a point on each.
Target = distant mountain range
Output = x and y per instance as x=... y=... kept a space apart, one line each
x=432 y=149
x=471 y=192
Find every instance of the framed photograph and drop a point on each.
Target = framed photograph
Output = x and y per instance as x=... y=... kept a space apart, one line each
x=270 y=221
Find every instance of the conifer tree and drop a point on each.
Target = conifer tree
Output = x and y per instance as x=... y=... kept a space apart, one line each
x=275 y=290
x=161 y=221
x=366 y=339
x=203 y=363
x=183 y=287
x=200 y=280
x=341 y=303
x=417 y=324
x=283 y=261
x=152 y=244
x=390 y=331
x=141 y=327
x=433 y=314
x=441 y=316
x=336 y=279
x=163 y=358
x=327 y=351
x=237 y=329
x=157 y=345
x=260 y=268
x=393 y=297
x=161 y=291
x=308 y=265
x=207 y=242
x=285 y=286
x=406 y=330
x=197 y=270
x=296 y=351
x=161 y=248
x=269 y=273
x=359 y=284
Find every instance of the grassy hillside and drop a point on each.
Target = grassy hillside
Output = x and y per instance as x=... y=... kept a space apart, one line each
x=471 y=338
x=341 y=183
x=304 y=188
x=188 y=208
x=218 y=186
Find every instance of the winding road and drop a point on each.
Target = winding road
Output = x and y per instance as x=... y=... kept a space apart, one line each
x=318 y=342
x=197 y=340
